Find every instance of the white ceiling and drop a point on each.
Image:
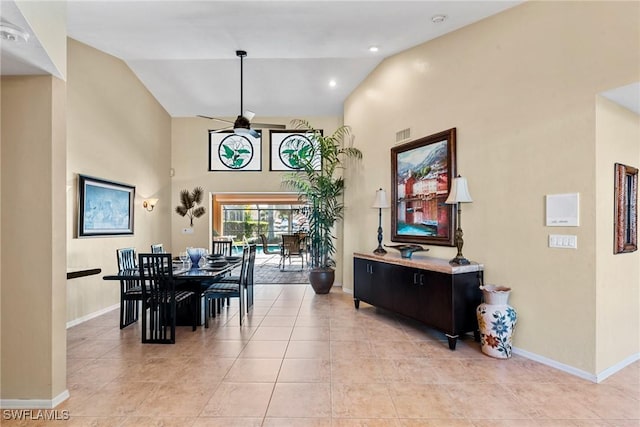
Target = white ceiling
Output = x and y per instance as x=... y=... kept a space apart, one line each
x=22 y=58
x=628 y=96
x=184 y=51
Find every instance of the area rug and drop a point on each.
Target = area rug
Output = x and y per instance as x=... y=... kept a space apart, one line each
x=269 y=273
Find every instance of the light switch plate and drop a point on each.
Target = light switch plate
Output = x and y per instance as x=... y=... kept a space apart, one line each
x=187 y=230
x=564 y=241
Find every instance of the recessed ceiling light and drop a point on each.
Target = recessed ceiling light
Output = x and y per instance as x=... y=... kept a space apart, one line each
x=373 y=49
x=437 y=19
x=13 y=33
x=332 y=83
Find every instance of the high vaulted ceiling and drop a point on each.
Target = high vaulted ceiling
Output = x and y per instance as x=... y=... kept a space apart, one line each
x=184 y=51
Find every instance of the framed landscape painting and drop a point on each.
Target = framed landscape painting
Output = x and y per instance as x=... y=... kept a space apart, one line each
x=229 y=151
x=290 y=149
x=422 y=172
x=105 y=208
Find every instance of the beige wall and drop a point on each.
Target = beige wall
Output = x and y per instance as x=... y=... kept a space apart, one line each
x=520 y=89
x=119 y=132
x=48 y=20
x=190 y=161
x=33 y=358
x=617 y=287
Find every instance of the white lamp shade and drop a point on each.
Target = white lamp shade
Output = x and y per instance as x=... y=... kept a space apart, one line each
x=381 y=200
x=459 y=191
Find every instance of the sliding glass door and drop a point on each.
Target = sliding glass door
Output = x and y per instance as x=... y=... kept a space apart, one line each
x=248 y=222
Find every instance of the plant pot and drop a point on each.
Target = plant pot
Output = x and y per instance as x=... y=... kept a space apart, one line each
x=322 y=279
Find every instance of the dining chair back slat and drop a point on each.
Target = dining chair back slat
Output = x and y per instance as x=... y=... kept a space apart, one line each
x=157 y=248
x=126 y=258
x=160 y=297
x=130 y=290
x=249 y=275
x=227 y=289
x=223 y=247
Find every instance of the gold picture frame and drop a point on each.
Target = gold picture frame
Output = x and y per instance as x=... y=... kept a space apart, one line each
x=626 y=209
x=421 y=176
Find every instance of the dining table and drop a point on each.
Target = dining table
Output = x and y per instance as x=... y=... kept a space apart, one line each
x=187 y=277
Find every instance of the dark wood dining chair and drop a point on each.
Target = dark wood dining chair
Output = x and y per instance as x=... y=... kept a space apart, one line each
x=248 y=281
x=223 y=247
x=157 y=248
x=226 y=289
x=130 y=290
x=161 y=299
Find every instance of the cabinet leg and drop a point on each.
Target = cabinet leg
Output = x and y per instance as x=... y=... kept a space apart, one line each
x=356 y=302
x=476 y=335
x=453 y=339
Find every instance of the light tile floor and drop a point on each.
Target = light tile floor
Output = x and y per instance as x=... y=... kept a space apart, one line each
x=306 y=360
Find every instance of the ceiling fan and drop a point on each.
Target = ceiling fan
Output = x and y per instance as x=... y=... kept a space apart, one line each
x=242 y=124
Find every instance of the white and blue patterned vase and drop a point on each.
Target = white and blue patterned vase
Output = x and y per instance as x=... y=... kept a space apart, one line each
x=496 y=321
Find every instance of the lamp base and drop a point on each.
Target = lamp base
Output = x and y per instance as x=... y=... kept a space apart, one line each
x=459 y=260
x=380 y=251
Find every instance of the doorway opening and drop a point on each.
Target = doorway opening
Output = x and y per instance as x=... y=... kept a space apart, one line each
x=243 y=218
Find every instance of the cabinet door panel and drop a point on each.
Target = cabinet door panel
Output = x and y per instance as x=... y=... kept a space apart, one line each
x=406 y=297
x=362 y=280
x=466 y=298
x=437 y=302
x=383 y=288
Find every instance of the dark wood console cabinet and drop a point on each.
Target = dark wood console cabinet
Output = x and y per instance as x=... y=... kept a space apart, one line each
x=427 y=289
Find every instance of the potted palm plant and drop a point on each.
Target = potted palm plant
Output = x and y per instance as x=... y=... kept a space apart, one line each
x=321 y=186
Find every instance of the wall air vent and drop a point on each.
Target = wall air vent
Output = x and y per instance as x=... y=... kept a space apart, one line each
x=403 y=134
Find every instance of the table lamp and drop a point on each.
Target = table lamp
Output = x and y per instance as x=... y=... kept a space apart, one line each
x=459 y=194
x=380 y=202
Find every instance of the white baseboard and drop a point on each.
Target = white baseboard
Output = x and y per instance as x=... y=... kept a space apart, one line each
x=34 y=403
x=617 y=367
x=597 y=378
x=90 y=316
x=555 y=364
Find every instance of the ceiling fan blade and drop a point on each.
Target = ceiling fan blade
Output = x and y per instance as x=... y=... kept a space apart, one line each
x=249 y=114
x=214 y=118
x=224 y=129
x=267 y=126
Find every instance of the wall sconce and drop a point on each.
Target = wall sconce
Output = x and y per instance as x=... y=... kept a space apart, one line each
x=459 y=194
x=149 y=204
x=380 y=202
